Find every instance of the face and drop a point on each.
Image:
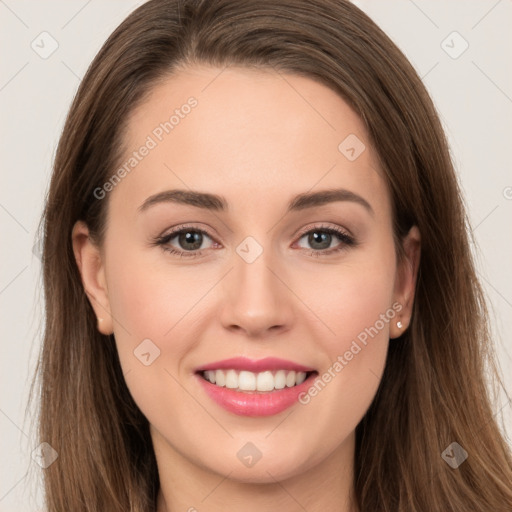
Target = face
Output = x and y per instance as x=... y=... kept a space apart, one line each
x=303 y=288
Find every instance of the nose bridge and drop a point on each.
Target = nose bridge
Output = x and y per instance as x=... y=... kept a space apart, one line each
x=256 y=285
x=256 y=299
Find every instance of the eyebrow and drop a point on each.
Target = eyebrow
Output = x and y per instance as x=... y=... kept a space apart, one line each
x=219 y=203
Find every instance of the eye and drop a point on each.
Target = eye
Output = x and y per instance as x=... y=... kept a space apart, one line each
x=184 y=241
x=188 y=241
x=320 y=239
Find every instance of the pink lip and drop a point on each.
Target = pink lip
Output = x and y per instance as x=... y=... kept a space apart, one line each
x=254 y=403
x=251 y=365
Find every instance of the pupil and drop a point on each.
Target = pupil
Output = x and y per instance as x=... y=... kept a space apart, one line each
x=320 y=237
x=191 y=237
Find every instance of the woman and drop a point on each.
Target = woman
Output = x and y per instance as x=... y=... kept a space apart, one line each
x=256 y=368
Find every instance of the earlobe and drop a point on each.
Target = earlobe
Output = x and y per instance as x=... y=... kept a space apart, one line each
x=405 y=284
x=92 y=270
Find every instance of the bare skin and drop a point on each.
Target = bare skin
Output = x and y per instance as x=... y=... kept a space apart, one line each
x=257 y=138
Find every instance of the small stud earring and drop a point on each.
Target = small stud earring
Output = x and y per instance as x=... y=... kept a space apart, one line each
x=100 y=319
x=399 y=324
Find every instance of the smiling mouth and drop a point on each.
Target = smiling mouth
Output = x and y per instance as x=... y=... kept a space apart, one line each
x=251 y=382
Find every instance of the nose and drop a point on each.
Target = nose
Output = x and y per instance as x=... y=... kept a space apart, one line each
x=257 y=300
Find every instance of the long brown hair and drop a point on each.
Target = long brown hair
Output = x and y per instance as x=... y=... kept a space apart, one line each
x=433 y=391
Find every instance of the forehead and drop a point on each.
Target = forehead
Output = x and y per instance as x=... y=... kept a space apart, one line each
x=255 y=134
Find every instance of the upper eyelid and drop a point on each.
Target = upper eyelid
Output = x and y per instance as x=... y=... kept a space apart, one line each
x=321 y=227
x=180 y=229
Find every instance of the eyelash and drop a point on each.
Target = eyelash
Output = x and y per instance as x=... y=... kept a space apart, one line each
x=347 y=241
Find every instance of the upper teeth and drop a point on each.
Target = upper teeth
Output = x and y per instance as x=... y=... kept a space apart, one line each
x=249 y=381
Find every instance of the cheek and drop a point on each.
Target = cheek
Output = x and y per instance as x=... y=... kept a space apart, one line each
x=142 y=305
x=149 y=298
x=354 y=298
x=357 y=306
x=147 y=303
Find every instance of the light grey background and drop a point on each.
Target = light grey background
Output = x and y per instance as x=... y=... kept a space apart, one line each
x=472 y=92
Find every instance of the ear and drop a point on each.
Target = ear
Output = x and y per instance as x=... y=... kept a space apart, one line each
x=405 y=282
x=92 y=269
